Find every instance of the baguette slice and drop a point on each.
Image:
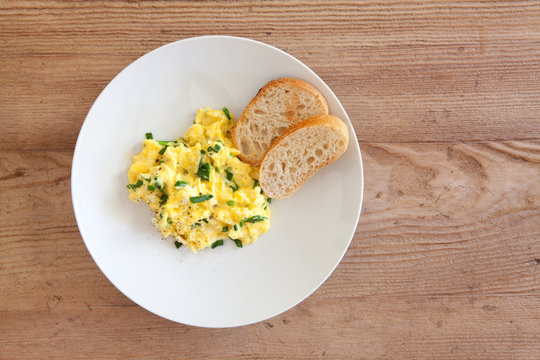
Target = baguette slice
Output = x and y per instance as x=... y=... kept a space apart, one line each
x=278 y=105
x=299 y=152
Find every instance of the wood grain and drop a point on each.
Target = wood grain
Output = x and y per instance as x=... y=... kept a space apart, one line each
x=444 y=97
x=459 y=277
x=424 y=328
x=405 y=72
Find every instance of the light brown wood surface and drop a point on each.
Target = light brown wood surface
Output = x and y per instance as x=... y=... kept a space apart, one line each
x=445 y=101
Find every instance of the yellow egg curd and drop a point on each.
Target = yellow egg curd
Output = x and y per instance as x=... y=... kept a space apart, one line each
x=201 y=192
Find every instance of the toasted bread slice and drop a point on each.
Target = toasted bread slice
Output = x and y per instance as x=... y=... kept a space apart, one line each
x=278 y=105
x=299 y=152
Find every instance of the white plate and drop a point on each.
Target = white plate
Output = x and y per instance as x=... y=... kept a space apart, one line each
x=227 y=286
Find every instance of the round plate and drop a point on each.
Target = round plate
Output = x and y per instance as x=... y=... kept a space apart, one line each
x=226 y=286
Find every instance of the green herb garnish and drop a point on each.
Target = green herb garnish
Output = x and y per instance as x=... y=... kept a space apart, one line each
x=237 y=242
x=164 y=198
x=217 y=243
x=162 y=151
x=203 y=152
x=204 y=171
x=195 y=224
x=149 y=136
x=229 y=173
x=159 y=184
x=180 y=184
x=255 y=183
x=206 y=221
x=178 y=244
x=134 y=186
x=217 y=147
x=225 y=229
x=226 y=112
x=269 y=200
x=200 y=198
x=166 y=142
x=252 y=219
x=235 y=227
x=230 y=202
x=151 y=187
x=234 y=186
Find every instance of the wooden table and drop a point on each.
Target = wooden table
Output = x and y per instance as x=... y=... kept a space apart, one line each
x=445 y=100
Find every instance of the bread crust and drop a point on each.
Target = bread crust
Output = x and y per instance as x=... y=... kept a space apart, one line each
x=261 y=94
x=315 y=121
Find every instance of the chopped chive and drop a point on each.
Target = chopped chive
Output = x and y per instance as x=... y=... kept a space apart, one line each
x=226 y=112
x=269 y=200
x=234 y=186
x=178 y=244
x=206 y=221
x=203 y=152
x=151 y=187
x=164 y=199
x=180 y=184
x=136 y=185
x=237 y=242
x=256 y=218
x=149 y=136
x=235 y=227
x=217 y=243
x=169 y=221
x=185 y=171
x=230 y=202
x=229 y=173
x=162 y=151
x=210 y=149
x=195 y=224
x=216 y=168
x=204 y=171
x=225 y=229
x=201 y=198
x=167 y=142
x=255 y=183
x=252 y=219
x=217 y=147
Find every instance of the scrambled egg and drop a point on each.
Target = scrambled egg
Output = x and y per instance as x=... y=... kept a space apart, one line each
x=199 y=189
